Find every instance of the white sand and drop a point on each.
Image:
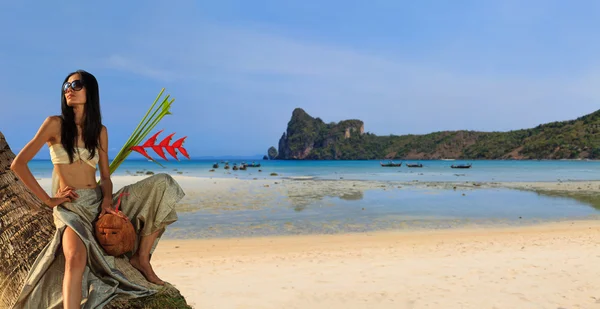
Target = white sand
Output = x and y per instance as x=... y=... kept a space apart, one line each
x=550 y=266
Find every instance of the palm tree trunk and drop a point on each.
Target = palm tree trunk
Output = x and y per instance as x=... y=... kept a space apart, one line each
x=26 y=227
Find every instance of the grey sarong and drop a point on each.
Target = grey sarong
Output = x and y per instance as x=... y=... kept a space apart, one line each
x=150 y=206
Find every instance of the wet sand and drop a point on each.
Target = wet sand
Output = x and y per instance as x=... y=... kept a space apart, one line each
x=234 y=194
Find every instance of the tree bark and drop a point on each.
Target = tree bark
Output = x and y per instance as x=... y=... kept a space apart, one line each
x=26 y=227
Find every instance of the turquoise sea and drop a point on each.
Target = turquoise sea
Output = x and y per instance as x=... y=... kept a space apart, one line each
x=437 y=170
x=379 y=209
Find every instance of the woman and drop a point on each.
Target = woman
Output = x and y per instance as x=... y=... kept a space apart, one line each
x=78 y=141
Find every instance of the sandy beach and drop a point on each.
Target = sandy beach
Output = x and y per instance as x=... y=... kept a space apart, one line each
x=546 y=266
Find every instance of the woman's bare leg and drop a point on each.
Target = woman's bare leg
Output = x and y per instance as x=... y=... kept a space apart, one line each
x=141 y=259
x=75 y=258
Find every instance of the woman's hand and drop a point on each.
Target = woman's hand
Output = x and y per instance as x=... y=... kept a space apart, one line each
x=107 y=207
x=66 y=194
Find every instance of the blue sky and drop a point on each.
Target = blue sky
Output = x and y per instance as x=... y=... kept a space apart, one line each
x=238 y=68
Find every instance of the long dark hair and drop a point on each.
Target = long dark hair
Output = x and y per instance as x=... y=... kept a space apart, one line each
x=92 y=124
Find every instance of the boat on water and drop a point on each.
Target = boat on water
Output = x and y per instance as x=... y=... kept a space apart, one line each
x=253 y=165
x=461 y=166
x=390 y=164
x=414 y=165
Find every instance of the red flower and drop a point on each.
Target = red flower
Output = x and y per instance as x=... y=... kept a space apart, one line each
x=150 y=143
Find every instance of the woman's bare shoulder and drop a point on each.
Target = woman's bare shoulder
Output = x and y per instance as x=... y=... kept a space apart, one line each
x=53 y=125
x=54 y=120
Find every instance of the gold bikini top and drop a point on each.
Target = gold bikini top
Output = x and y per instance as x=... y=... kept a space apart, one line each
x=59 y=155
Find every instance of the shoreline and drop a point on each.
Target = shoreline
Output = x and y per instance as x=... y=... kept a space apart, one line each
x=189 y=181
x=542 y=266
x=227 y=207
x=216 y=194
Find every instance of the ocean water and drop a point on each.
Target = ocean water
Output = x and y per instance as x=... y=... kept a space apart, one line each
x=378 y=209
x=433 y=170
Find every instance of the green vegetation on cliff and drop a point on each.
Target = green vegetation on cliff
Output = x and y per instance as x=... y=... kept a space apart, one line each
x=312 y=139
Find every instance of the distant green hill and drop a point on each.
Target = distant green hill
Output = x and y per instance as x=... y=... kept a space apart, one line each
x=311 y=139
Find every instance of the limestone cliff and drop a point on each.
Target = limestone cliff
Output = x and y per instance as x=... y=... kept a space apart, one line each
x=310 y=138
x=305 y=133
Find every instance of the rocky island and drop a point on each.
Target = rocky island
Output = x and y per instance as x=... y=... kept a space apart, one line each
x=309 y=138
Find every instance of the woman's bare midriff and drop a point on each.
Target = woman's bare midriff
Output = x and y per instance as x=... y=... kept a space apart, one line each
x=78 y=175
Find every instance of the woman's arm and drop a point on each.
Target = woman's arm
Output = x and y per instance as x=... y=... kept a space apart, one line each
x=48 y=129
x=105 y=182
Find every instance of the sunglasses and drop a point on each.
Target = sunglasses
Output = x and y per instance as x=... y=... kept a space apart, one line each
x=75 y=85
